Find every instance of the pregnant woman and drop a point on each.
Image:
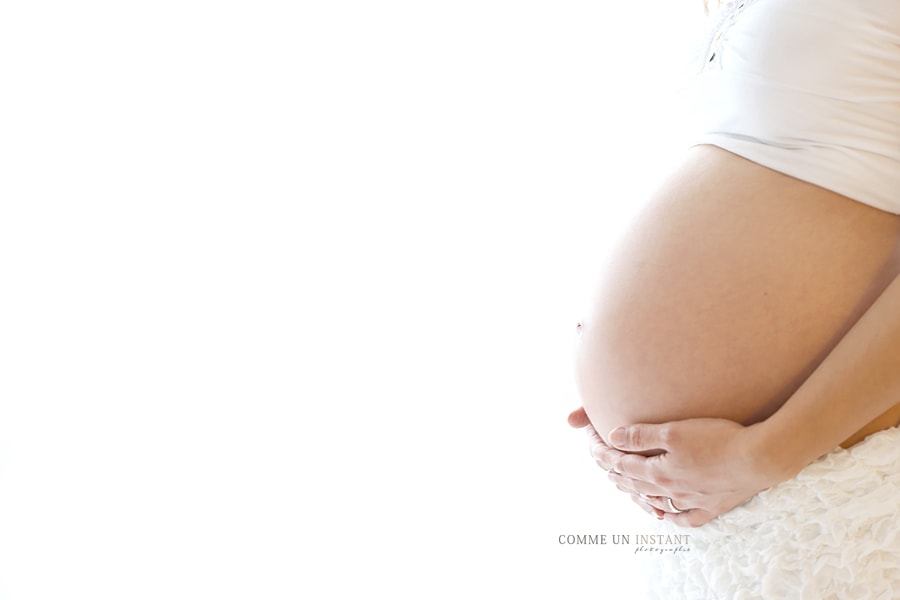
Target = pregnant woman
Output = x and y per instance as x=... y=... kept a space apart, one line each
x=746 y=332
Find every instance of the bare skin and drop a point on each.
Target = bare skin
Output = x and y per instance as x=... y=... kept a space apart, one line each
x=726 y=295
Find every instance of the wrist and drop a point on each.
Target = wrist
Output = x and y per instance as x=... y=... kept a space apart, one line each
x=773 y=455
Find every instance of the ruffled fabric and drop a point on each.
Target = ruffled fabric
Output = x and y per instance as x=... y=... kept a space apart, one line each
x=831 y=532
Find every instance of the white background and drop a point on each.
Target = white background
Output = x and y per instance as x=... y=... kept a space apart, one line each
x=289 y=291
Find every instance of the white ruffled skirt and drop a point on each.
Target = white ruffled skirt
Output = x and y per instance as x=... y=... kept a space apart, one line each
x=831 y=532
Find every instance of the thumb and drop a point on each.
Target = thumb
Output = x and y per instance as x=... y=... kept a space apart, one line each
x=578 y=418
x=638 y=438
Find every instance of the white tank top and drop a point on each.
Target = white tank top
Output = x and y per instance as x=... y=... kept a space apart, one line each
x=810 y=88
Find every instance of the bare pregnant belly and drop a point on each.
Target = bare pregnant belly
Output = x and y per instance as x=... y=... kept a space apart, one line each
x=726 y=293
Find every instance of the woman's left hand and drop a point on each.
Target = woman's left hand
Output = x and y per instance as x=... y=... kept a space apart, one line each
x=706 y=468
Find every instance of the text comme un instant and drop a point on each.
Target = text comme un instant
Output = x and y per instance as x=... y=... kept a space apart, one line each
x=652 y=539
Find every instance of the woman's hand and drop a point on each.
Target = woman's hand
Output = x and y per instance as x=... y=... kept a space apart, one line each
x=707 y=466
x=605 y=456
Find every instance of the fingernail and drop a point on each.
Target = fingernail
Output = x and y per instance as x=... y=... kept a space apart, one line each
x=616 y=437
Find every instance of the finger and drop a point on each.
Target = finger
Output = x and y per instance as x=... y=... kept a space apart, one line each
x=578 y=418
x=641 y=437
x=690 y=518
x=642 y=468
x=654 y=503
x=605 y=456
x=635 y=486
x=662 y=504
x=602 y=454
x=594 y=437
x=647 y=508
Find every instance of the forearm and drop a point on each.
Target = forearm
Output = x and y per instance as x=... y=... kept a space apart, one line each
x=858 y=381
